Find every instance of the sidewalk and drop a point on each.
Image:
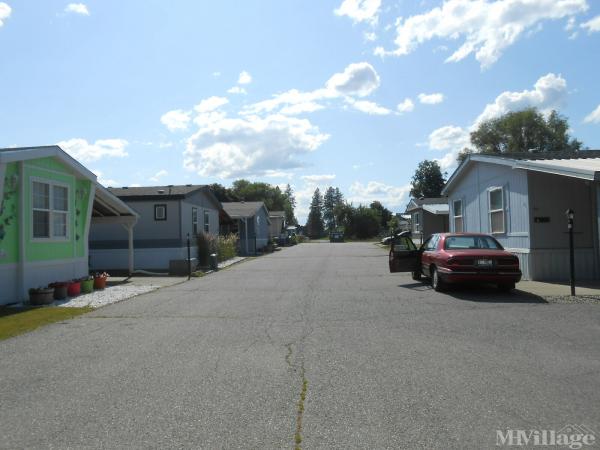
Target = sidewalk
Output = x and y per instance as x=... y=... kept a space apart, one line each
x=559 y=288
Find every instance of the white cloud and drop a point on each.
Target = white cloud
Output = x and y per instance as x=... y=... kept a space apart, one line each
x=358 y=79
x=391 y=196
x=245 y=146
x=592 y=25
x=370 y=36
x=360 y=10
x=160 y=174
x=77 y=8
x=236 y=90
x=594 y=116
x=176 y=119
x=448 y=137
x=369 y=107
x=318 y=178
x=107 y=182
x=487 y=27
x=406 y=105
x=85 y=151
x=216 y=74
x=431 y=99
x=549 y=92
x=210 y=104
x=5 y=11
x=244 y=78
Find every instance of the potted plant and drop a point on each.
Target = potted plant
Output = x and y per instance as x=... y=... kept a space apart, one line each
x=74 y=288
x=100 y=280
x=87 y=284
x=41 y=295
x=60 y=289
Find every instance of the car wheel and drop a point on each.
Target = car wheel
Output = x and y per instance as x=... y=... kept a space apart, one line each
x=416 y=275
x=436 y=282
x=506 y=287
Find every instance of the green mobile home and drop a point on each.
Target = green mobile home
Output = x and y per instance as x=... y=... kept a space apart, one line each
x=47 y=202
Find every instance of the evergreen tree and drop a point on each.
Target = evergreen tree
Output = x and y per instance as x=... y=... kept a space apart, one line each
x=314 y=224
x=329 y=203
x=290 y=205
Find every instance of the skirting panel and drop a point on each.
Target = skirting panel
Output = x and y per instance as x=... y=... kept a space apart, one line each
x=144 y=258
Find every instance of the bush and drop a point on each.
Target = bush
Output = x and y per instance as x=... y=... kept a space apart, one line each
x=224 y=246
x=300 y=238
x=227 y=247
x=207 y=244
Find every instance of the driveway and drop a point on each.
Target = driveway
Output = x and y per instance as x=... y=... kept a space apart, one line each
x=316 y=342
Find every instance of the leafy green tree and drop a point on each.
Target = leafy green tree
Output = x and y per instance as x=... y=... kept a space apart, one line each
x=383 y=212
x=428 y=180
x=365 y=222
x=249 y=191
x=523 y=131
x=222 y=193
x=314 y=224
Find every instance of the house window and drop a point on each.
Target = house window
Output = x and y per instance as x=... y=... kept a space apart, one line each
x=50 y=208
x=195 y=221
x=206 y=221
x=457 y=212
x=417 y=223
x=496 y=208
x=160 y=212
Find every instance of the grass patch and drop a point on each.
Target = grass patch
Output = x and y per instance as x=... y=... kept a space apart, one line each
x=15 y=321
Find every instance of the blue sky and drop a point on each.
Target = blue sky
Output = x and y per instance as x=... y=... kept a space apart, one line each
x=350 y=93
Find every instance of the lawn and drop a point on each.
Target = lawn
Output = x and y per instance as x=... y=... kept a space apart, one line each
x=15 y=321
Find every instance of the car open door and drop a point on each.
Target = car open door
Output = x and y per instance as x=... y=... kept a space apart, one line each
x=404 y=255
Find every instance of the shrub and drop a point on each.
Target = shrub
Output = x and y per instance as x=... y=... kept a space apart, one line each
x=207 y=244
x=227 y=247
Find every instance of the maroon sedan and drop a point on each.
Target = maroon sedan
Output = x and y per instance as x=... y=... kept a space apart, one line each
x=456 y=258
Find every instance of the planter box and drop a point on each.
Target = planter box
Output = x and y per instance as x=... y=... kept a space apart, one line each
x=87 y=286
x=74 y=289
x=41 y=296
x=100 y=282
x=60 y=290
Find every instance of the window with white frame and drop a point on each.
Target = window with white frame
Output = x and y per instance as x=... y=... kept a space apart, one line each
x=417 y=222
x=206 y=221
x=496 y=210
x=194 y=221
x=160 y=212
x=457 y=212
x=50 y=210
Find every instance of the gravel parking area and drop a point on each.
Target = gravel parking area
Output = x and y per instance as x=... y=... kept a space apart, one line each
x=105 y=297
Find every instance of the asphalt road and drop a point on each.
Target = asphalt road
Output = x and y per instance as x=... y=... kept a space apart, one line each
x=381 y=362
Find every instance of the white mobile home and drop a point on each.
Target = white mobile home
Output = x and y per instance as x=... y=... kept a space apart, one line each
x=521 y=199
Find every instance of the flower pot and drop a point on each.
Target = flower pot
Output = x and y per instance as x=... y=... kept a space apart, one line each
x=74 y=289
x=87 y=286
x=41 y=296
x=100 y=282
x=60 y=290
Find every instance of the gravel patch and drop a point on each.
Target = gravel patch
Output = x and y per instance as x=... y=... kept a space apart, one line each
x=107 y=296
x=590 y=299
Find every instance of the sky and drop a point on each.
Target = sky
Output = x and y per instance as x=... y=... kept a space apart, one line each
x=347 y=93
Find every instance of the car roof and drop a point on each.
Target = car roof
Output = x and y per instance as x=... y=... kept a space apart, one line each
x=464 y=234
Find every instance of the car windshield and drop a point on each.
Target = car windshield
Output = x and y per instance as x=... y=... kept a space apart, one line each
x=471 y=242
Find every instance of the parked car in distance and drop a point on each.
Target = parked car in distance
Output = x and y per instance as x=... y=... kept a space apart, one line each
x=336 y=236
x=448 y=258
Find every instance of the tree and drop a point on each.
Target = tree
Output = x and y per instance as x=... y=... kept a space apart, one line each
x=524 y=131
x=329 y=202
x=384 y=213
x=222 y=193
x=290 y=205
x=428 y=180
x=314 y=224
x=365 y=222
x=248 y=191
